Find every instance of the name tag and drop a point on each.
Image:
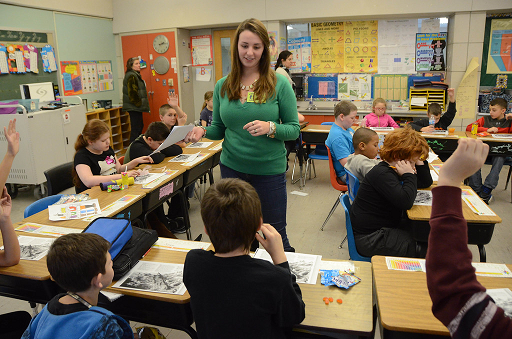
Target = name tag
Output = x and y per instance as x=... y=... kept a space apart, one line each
x=250 y=97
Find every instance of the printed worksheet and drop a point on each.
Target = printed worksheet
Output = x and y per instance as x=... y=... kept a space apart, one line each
x=54 y=231
x=180 y=245
x=200 y=144
x=304 y=267
x=184 y=157
x=33 y=248
x=423 y=198
x=74 y=211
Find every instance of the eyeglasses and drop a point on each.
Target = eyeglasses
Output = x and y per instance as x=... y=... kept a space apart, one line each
x=380 y=108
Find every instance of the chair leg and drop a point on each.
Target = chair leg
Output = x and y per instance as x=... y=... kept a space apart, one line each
x=293 y=170
x=332 y=211
x=508 y=176
x=314 y=168
x=342 y=242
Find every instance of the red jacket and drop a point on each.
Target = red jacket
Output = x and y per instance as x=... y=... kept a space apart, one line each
x=487 y=122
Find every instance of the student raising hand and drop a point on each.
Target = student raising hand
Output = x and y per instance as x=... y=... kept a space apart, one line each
x=469 y=157
x=13 y=138
x=11 y=253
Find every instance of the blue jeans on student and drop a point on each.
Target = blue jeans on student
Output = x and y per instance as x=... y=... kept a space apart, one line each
x=475 y=181
x=272 y=192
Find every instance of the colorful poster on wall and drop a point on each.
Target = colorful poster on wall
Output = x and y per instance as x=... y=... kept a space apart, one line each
x=500 y=47
x=397 y=39
x=89 y=76
x=327 y=47
x=71 y=80
x=274 y=46
x=354 y=86
x=105 y=76
x=361 y=46
x=201 y=50
x=301 y=50
x=430 y=52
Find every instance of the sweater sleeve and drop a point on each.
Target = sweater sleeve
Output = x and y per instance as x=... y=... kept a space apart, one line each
x=480 y=123
x=289 y=128
x=388 y=185
x=291 y=308
x=423 y=175
x=172 y=151
x=133 y=91
x=447 y=117
x=392 y=122
x=419 y=124
x=459 y=301
x=217 y=129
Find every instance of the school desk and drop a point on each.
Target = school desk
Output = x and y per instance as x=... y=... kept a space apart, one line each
x=480 y=227
x=404 y=304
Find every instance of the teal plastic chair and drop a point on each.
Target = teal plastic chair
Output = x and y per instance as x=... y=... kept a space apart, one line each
x=352 y=184
x=352 y=250
x=40 y=205
x=319 y=153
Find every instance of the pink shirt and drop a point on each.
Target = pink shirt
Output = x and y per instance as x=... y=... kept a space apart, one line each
x=372 y=120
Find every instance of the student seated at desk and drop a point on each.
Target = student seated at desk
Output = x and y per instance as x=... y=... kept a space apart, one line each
x=95 y=159
x=82 y=266
x=366 y=147
x=387 y=192
x=459 y=301
x=339 y=139
x=434 y=109
x=493 y=123
x=231 y=294
x=378 y=116
x=172 y=115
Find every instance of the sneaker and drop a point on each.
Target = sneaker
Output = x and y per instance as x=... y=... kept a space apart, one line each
x=489 y=199
x=289 y=249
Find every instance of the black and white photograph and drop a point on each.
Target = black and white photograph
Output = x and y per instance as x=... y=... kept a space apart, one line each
x=423 y=198
x=503 y=298
x=200 y=144
x=305 y=267
x=34 y=248
x=184 y=157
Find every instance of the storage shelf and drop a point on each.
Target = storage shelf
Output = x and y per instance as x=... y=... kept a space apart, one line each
x=109 y=116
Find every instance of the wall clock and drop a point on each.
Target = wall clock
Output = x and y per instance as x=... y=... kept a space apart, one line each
x=161 y=44
x=161 y=65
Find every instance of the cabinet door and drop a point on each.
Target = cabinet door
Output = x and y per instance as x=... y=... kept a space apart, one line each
x=72 y=127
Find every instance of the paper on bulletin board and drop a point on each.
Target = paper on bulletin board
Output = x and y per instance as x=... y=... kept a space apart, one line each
x=71 y=79
x=327 y=47
x=361 y=46
x=499 y=60
x=430 y=25
x=354 y=86
x=105 y=76
x=201 y=50
x=274 y=47
x=431 y=52
x=397 y=41
x=203 y=74
x=89 y=75
x=467 y=90
x=301 y=50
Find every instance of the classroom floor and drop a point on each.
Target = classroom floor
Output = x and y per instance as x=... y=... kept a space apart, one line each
x=305 y=217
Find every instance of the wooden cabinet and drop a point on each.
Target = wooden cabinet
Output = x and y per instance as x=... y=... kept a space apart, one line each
x=119 y=123
x=432 y=95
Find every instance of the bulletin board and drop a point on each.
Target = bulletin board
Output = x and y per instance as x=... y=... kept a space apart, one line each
x=322 y=86
x=391 y=86
x=82 y=77
x=490 y=79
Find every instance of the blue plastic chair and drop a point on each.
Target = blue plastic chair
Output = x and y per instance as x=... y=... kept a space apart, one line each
x=40 y=205
x=320 y=153
x=352 y=250
x=352 y=184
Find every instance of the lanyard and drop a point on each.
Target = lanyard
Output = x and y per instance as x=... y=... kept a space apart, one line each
x=79 y=299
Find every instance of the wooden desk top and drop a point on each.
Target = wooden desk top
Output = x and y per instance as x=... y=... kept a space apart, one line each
x=422 y=213
x=404 y=302
x=355 y=314
x=317 y=128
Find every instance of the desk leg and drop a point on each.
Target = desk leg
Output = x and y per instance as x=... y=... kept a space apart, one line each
x=184 y=210
x=483 y=256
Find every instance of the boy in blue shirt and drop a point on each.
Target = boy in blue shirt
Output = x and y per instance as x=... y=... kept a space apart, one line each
x=339 y=139
x=81 y=264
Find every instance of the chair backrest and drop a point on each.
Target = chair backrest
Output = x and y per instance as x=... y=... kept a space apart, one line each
x=332 y=174
x=121 y=160
x=59 y=178
x=352 y=184
x=327 y=123
x=40 y=205
x=352 y=250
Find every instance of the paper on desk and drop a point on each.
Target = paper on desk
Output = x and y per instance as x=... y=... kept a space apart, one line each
x=503 y=298
x=344 y=266
x=200 y=144
x=436 y=167
x=423 y=198
x=154 y=277
x=382 y=128
x=216 y=147
x=406 y=264
x=304 y=267
x=180 y=245
x=184 y=157
x=146 y=179
x=178 y=133
x=54 y=231
x=199 y=157
x=74 y=211
x=160 y=179
x=117 y=205
x=475 y=203
x=502 y=136
x=492 y=270
x=436 y=132
x=431 y=157
x=111 y=296
x=33 y=248
x=434 y=175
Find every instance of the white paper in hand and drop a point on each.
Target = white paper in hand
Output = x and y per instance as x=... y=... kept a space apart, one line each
x=178 y=133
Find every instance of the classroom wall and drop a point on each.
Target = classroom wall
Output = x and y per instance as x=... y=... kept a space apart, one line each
x=184 y=58
x=99 y=8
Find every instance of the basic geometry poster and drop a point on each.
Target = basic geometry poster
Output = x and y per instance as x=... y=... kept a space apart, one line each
x=327 y=46
x=499 y=60
x=361 y=46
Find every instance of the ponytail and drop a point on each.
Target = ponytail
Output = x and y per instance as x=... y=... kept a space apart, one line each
x=207 y=96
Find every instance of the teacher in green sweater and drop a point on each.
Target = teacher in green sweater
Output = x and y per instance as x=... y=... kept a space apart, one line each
x=255 y=111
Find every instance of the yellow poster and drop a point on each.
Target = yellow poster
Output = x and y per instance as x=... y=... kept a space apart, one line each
x=327 y=47
x=499 y=59
x=466 y=91
x=361 y=46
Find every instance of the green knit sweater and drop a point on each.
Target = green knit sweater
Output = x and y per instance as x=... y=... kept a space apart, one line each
x=243 y=152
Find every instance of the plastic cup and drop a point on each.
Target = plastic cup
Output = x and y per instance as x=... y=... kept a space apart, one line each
x=451 y=130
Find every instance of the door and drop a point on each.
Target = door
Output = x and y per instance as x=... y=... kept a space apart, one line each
x=222 y=41
x=157 y=85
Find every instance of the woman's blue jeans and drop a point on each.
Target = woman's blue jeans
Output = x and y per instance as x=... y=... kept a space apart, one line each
x=272 y=192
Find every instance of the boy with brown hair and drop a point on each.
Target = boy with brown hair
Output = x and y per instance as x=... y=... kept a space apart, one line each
x=81 y=265
x=339 y=139
x=366 y=147
x=231 y=294
x=434 y=109
x=495 y=122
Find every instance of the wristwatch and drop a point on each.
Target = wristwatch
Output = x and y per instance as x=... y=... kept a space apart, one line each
x=272 y=130
x=204 y=129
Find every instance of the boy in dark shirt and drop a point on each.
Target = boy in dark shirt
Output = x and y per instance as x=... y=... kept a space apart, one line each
x=442 y=122
x=231 y=294
x=495 y=122
x=81 y=265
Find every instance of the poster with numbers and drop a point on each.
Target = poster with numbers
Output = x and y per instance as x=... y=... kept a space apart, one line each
x=397 y=40
x=105 y=76
x=361 y=46
x=327 y=47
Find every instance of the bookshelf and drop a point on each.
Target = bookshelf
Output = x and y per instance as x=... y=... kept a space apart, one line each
x=119 y=123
